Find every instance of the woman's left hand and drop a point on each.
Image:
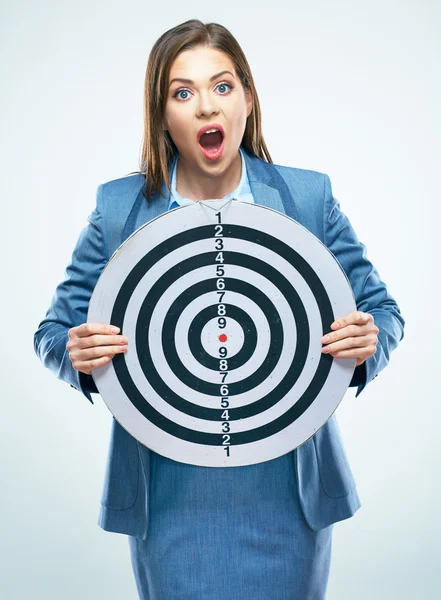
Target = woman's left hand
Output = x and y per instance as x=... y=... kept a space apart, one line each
x=353 y=336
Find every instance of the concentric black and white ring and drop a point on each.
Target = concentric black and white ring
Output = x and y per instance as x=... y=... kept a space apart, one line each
x=281 y=289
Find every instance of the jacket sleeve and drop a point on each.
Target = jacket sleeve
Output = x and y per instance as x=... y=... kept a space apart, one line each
x=70 y=303
x=370 y=292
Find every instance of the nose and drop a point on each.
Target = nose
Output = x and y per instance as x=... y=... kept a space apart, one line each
x=207 y=105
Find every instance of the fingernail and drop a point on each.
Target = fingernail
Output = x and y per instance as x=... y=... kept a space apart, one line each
x=114 y=330
x=326 y=339
x=336 y=324
x=325 y=349
x=123 y=340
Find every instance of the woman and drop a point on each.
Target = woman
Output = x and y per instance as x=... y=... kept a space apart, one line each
x=255 y=532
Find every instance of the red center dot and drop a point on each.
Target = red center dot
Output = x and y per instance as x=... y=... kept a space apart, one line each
x=223 y=337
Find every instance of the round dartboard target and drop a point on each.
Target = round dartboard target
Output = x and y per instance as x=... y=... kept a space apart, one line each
x=224 y=305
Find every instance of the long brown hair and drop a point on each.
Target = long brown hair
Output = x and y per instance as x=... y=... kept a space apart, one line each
x=158 y=146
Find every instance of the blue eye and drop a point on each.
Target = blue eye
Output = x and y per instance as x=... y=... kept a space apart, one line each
x=225 y=85
x=181 y=92
x=228 y=87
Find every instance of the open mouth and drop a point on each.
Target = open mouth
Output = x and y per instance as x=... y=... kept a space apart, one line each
x=211 y=143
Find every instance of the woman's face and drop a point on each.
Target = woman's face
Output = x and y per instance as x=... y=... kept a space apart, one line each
x=213 y=96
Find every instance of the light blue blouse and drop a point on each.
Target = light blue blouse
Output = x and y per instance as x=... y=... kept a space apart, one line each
x=242 y=192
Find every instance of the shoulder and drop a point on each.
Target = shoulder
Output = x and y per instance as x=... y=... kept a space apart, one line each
x=308 y=190
x=304 y=183
x=303 y=191
x=306 y=187
x=308 y=179
x=115 y=198
x=123 y=186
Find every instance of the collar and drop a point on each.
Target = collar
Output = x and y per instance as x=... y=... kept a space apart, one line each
x=271 y=186
x=242 y=192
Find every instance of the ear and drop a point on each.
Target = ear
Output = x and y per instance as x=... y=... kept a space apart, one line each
x=249 y=101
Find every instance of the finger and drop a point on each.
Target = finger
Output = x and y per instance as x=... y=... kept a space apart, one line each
x=358 y=317
x=351 y=342
x=98 y=352
x=87 y=329
x=345 y=344
x=348 y=331
x=89 y=366
x=101 y=340
x=362 y=353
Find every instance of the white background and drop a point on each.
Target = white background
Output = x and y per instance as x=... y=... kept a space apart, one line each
x=348 y=88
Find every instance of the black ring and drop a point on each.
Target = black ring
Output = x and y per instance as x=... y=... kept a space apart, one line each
x=169 y=327
x=243 y=233
x=232 y=312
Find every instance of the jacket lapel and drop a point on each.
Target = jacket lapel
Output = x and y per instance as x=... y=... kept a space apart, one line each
x=143 y=211
x=268 y=186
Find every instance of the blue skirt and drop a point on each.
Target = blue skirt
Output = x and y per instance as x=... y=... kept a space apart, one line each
x=233 y=532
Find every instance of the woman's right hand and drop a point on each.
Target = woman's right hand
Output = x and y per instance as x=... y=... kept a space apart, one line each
x=93 y=345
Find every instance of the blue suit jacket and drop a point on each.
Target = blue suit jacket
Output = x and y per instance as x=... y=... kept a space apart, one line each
x=326 y=486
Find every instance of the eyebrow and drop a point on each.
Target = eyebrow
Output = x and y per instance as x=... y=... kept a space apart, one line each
x=191 y=82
